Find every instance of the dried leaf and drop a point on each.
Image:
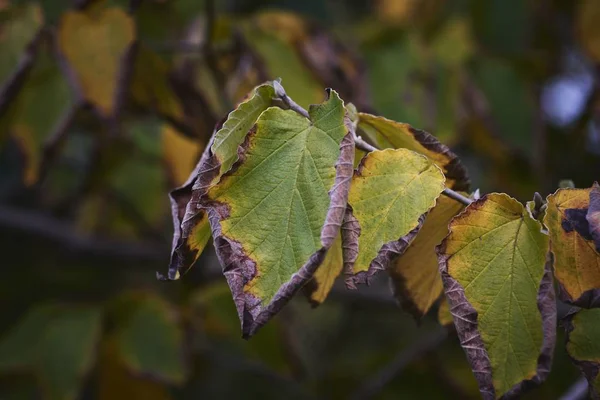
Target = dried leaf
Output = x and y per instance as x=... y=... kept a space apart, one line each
x=593 y=215
x=576 y=259
x=390 y=193
x=499 y=286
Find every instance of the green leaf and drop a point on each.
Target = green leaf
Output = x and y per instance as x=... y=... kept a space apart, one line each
x=391 y=134
x=583 y=331
x=576 y=259
x=274 y=217
x=390 y=193
x=192 y=230
x=416 y=281
x=493 y=265
x=94 y=44
x=57 y=344
x=160 y=353
x=20 y=24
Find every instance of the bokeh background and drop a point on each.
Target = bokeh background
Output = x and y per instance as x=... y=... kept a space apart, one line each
x=105 y=106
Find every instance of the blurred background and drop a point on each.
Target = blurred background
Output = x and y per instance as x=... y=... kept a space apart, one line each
x=105 y=106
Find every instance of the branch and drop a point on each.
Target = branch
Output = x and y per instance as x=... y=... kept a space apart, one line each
x=373 y=385
x=56 y=230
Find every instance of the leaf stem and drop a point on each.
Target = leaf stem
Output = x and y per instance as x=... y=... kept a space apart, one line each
x=359 y=142
x=363 y=145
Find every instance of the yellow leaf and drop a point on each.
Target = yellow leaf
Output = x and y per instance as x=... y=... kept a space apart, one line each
x=588 y=15
x=326 y=274
x=444 y=314
x=94 y=44
x=576 y=260
x=180 y=154
x=390 y=192
x=415 y=276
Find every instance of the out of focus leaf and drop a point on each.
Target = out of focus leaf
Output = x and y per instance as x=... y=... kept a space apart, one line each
x=150 y=85
x=390 y=193
x=444 y=314
x=285 y=228
x=180 y=154
x=576 y=259
x=56 y=344
x=39 y=108
x=453 y=45
x=115 y=382
x=499 y=286
x=583 y=331
x=150 y=340
x=588 y=13
x=416 y=281
x=503 y=26
x=18 y=27
x=95 y=43
x=388 y=133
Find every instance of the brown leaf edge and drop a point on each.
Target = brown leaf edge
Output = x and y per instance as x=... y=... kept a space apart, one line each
x=239 y=269
x=589 y=369
x=186 y=213
x=465 y=322
x=593 y=215
x=455 y=170
x=386 y=254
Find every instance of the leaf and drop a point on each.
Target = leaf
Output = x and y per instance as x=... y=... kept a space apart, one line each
x=160 y=354
x=319 y=287
x=276 y=214
x=57 y=344
x=180 y=153
x=39 y=109
x=416 y=282
x=18 y=27
x=444 y=314
x=192 y=230
x=576 y=260
x=115 y=382
x=588 y=30
x=499 y=286
x=593 y=215
x=387 y=133
x=150 y=85
x=95 y=44
x=390 y=193
x=583 y=330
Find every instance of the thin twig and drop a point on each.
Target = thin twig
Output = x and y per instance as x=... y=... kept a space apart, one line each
x=578 y=391
x=373 y=385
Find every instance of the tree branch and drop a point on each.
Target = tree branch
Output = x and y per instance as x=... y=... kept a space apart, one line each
x=578 y=391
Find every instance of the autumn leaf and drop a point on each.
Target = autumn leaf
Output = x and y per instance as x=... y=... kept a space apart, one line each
x=390 y=193
x=593 y=215
x=588 y=12
x=274 y=217
x=444 y=314
x=94 y=44
x=416 y=281
x=191 y=226
x=319 y=287
x=391 y=134
x=499 y=285
x=583 y=331
x=180 y=154
x=576 y=259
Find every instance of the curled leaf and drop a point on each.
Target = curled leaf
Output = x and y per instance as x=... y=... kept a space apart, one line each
x=498 y=282
x=576 y=258
x=275 y=214
x=390 y=193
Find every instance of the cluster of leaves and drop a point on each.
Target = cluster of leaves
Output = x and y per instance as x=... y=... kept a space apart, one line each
x=287 y=211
